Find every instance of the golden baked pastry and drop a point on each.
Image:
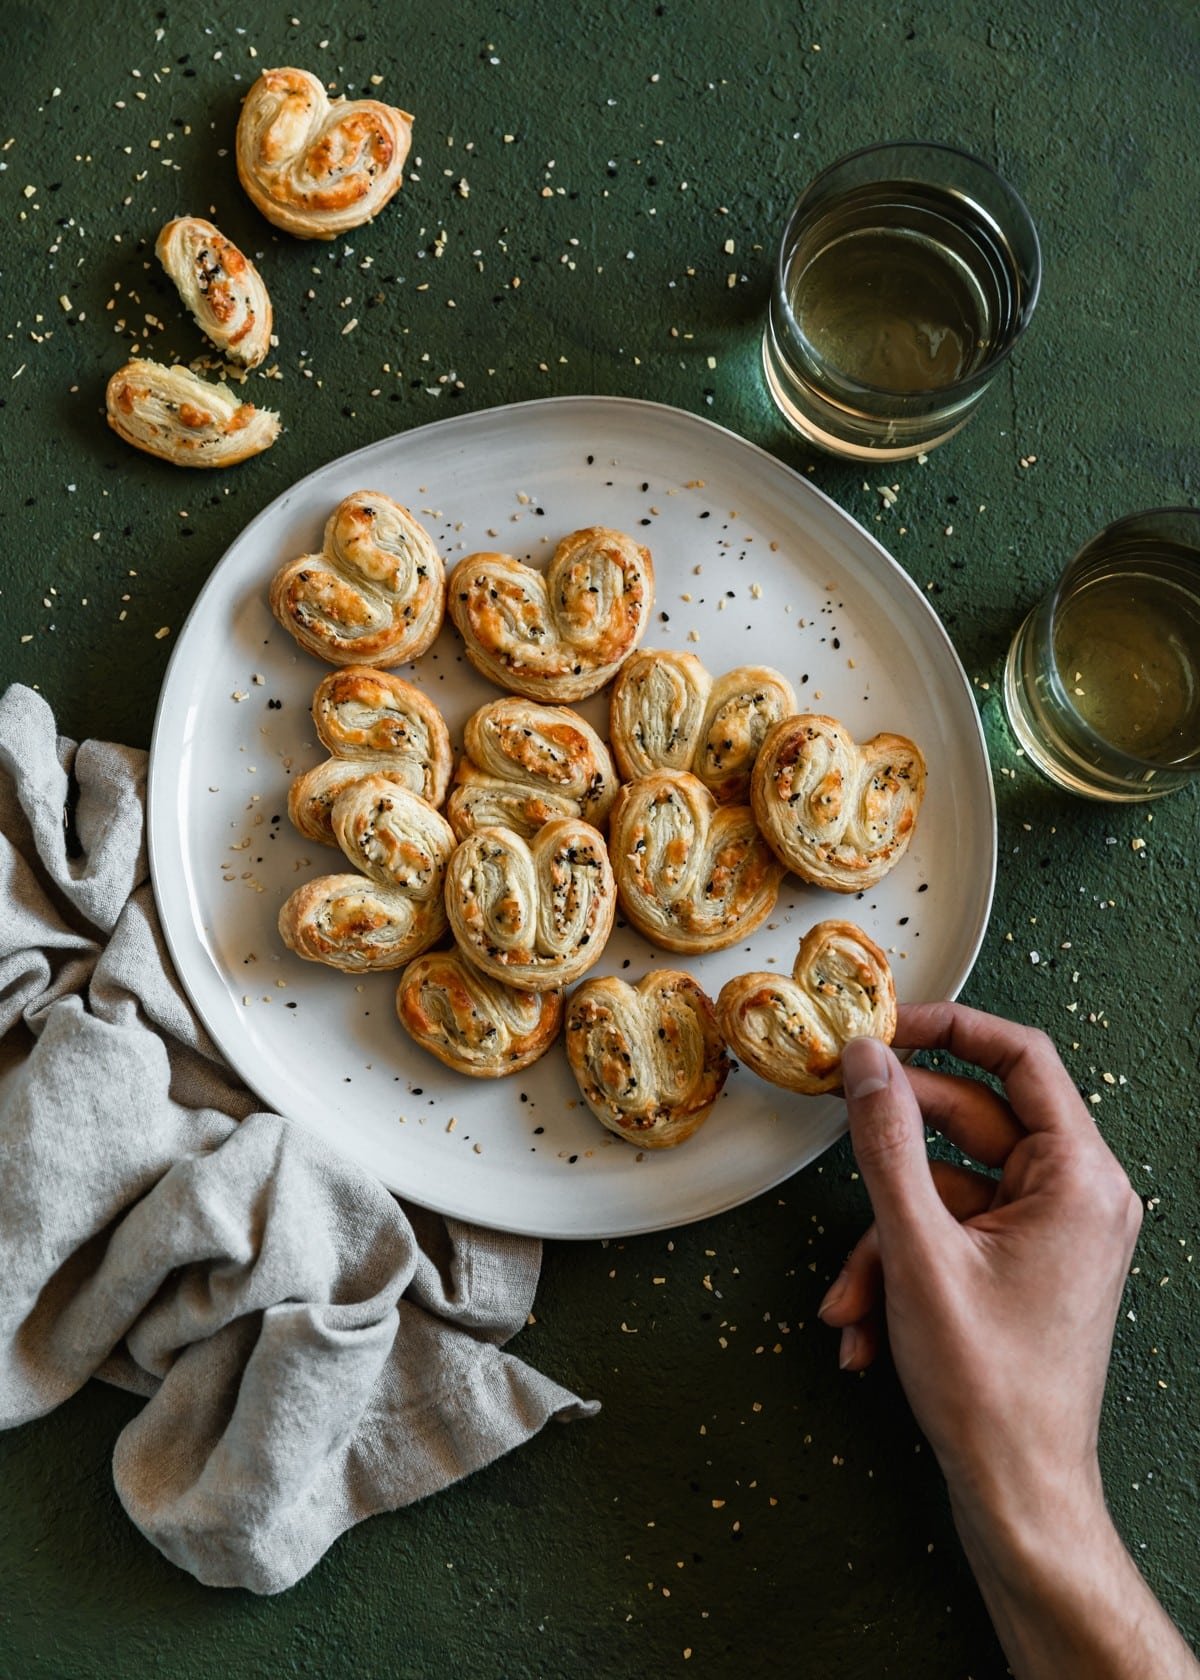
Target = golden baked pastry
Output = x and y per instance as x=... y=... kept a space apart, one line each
x=536 y=913
x=693 y=875
x=173 y=414
x=393 y=909
x=375 y=594
x=838 y=814
x=668 y=713
x=526 y=764
x=792 y=1031
x=221 y=287
x=373 y=723
x=313 y=166
x=476 y=1025
x=561 y=635
x=649 y=1059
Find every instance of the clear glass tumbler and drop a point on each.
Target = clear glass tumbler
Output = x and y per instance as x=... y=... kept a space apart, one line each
x=906 y=274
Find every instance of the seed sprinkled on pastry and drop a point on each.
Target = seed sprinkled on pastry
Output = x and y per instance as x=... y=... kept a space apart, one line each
x=221 y=287
x=525 y=765
x=172 y=413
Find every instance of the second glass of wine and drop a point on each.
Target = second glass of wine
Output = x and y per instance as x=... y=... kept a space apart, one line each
x=906 y=274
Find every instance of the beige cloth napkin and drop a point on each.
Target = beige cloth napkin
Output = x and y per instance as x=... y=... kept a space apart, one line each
x=311 y=1350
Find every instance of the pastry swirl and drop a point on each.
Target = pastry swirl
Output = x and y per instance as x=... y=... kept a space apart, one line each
x=792 y=1031
x=693 y=875
x=668 y=713
x=526 y=764
x=649 y=1059
x=376 y=592
x=220 y=286
x=313 y=166
x=476 y=1025
x=838 y=814
x=534 y=913
x=393 y=909
x=560 y=636
x=171 y=413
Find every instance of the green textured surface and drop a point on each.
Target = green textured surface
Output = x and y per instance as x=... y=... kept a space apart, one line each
x=602 y=1544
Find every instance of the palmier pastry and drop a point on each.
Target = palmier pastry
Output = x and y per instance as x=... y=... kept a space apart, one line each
x=172 y=413
x=376 y=592
x=394 y=909
x=560 y=636
x=534 y=913
x=792 y=1031
x=373 y=723
x=527 y=764
x=693 y=875
x=476 y=1025
x=221 y=287
x=649 y=1058
x=838 y=814
x=667 y=713
x=313 y=166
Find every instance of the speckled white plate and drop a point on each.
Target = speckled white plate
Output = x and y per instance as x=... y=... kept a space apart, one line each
x=761 y=567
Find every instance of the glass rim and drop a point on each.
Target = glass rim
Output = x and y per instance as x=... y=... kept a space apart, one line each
x=957 y=389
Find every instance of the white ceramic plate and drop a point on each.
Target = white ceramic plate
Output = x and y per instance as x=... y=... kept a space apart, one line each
x=761 y=567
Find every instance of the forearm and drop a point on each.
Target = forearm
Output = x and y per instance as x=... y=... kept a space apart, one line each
x=1065 y=1597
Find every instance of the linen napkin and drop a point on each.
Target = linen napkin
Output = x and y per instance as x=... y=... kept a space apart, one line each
x=312 y=1351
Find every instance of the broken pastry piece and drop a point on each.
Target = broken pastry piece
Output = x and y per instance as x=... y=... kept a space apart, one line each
x=171 y=413
x=221 y=287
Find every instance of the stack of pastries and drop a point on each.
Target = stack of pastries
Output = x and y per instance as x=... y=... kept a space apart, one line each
x=710 y=791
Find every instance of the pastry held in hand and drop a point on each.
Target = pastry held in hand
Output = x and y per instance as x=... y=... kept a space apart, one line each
x=693 y=875
x=376 y=593
x=649 y=1058
x=173 y=414
x=667 y=713
x=221 y=287
x=534 y=913
x=393 y=909
x=561 y=635
x=838 y=814
x=476 y=1025
x=526 y=764
x=372 y=723
x=792 y=1031
x=313 y=166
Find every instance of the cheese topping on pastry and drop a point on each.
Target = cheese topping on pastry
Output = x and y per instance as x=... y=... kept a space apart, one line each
x=526 y=764
x=561 y=635
x=173 y=414
x=649 y=1059
x=792 y=1031
x=313 y=166
x=221 y=287
x=376 y=592
x=476 y=1025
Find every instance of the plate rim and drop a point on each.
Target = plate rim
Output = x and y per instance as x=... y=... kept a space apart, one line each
x=158 y=799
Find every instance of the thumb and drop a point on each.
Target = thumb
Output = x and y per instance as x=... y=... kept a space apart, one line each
x=888 y=1135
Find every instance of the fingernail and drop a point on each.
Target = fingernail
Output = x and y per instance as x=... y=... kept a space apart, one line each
x=865 y=1068
x=849 y=1346
x=834 y=1293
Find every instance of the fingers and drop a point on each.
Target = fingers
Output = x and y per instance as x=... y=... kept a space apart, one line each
x=888 y=1135
x=1038 y=1085
x=969 y=1113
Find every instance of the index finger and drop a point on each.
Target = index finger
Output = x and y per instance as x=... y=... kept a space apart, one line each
x=1039 y=1087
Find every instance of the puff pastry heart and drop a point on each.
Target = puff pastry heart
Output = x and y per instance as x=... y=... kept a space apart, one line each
x=561 y=635
x=838 y=814
x=392 y=910
x=534 y=913
x=792 y=1031
x=693 y=875
x=376 y=592
x=668 y=713
x=172 y=413
x=221 y=287
x=649 y=1059
x=476 y=1025
x=526 y=764
x=313 y=166
x=373 y=723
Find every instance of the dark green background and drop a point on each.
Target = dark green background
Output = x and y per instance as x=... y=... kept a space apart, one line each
x=599 y=1546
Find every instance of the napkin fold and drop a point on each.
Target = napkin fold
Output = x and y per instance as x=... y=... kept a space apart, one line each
x=311 y=1350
